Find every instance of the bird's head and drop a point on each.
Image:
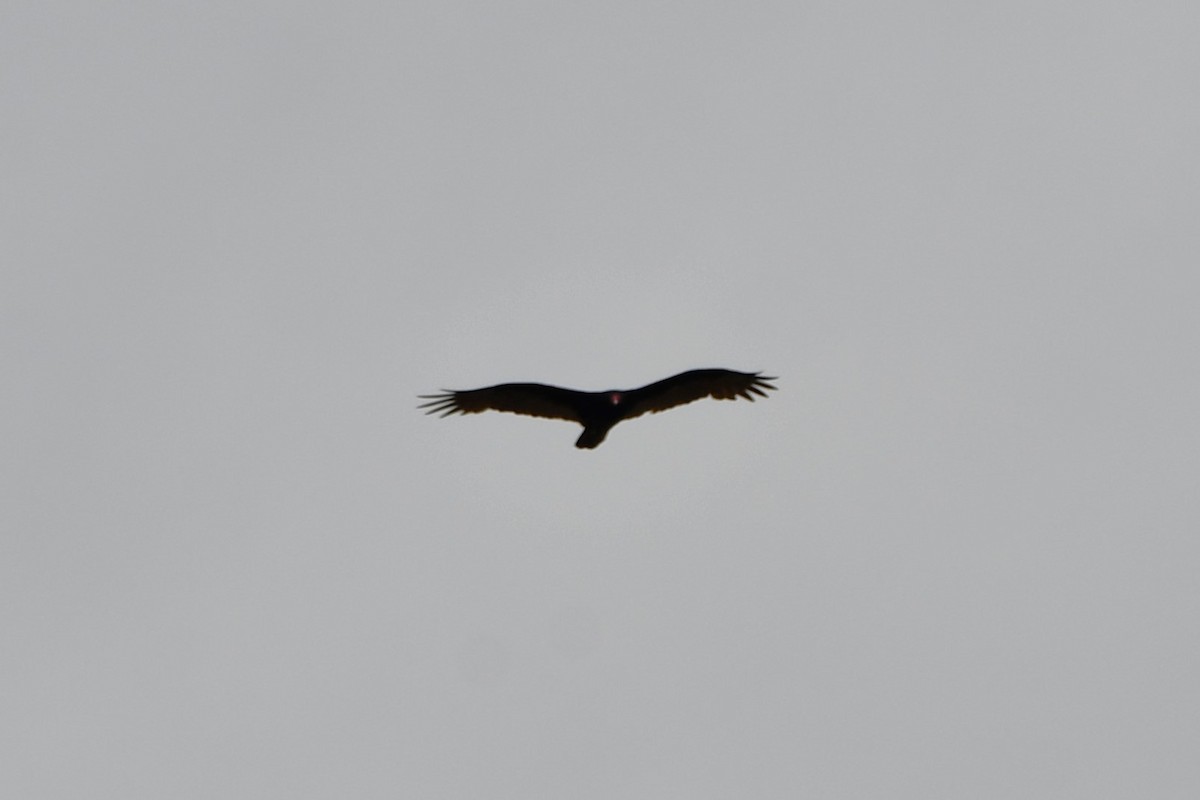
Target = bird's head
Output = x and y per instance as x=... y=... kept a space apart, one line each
x=615 y=398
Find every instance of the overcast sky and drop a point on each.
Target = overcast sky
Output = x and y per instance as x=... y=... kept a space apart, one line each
x=954 y=556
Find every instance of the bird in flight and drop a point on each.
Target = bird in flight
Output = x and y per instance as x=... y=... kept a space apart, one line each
x=598 y=412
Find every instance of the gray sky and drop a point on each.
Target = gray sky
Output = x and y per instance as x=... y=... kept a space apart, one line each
x=955 y=556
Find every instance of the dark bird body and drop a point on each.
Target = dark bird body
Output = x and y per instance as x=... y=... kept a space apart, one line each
x=598 y=412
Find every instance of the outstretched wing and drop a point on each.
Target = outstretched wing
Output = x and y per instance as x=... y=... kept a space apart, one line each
x=530 y=399
x=686 y=387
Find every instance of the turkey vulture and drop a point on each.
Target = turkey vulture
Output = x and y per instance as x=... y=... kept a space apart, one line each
x=597 y=412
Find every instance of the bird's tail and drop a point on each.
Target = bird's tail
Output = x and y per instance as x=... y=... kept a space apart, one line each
x=592 y=437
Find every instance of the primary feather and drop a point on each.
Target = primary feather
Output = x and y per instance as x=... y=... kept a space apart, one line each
x=598 y=412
